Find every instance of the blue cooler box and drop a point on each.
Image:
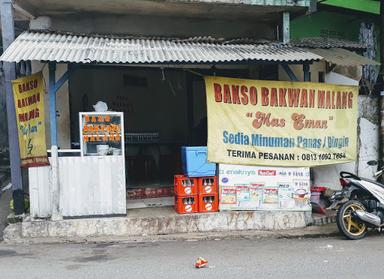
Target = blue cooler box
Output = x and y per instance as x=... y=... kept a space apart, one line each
x=195 y=162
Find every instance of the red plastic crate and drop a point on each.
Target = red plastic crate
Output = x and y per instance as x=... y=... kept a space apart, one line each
x=184 y=185
x=318 y=189
x=209 y=202
x=207 y=185
x=186 y=204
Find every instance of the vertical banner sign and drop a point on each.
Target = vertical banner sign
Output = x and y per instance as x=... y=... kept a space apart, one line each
x=29 y=102
x=276 y=123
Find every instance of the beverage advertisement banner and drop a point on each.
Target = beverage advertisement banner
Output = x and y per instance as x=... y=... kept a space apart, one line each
x=278 y=123
x=29 y=103
x=264 y=188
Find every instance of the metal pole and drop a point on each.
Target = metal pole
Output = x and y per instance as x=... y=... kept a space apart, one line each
x=8 y=35
x=52 y=102
x=289 y=72
x=381 y=81
x=306 y=70
x=54 y=149
x=312 y=6
x=286 y=29
x=55 y=184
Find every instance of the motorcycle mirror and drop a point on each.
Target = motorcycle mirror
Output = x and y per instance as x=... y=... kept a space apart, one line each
x=372 y=163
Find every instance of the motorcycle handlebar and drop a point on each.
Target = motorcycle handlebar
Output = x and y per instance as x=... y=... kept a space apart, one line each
x=379 y=173
x=345 y=174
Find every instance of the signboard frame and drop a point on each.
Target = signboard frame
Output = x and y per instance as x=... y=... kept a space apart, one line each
x=264 y=188
x=107 y=113
x=280 y=123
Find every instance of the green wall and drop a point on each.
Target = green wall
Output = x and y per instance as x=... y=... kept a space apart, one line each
x=367 y=6
x=332 y=25
x=328 y=24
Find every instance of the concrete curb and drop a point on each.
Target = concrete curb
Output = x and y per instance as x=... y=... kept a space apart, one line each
x=14 y=236
x=169 y=226
x=155 y=222
x=319 y=220
x=324 y=220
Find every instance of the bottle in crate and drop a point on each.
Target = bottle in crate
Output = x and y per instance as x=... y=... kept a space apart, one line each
x=184 y=185
x=209 y=202
x=186 y=204
x=207 y=185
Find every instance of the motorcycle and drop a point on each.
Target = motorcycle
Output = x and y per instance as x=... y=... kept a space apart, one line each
x=360 y=204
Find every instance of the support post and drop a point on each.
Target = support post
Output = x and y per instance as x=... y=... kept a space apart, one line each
x=286 y=27
x=381 y=81
x=307 y=73
x=55 y=184
x=8 y=35
x=289 y=72
x=53 y=88
x=312 y=6
x=52 y=103
x=54 y=149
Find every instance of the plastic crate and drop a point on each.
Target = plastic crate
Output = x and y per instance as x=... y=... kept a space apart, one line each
x=186 y=204
x=209 y=203
x=318 y=189
x=184 y=185
x=315 y=197
x=195 y=164
x=207 y=185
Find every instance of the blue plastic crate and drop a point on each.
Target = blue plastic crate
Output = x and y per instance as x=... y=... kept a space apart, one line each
x=195 y=164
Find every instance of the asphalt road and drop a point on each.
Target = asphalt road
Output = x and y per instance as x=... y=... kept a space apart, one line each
x=246 y=258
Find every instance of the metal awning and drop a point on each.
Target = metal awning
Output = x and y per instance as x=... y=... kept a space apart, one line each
x=70 y=48
x=324 y=42
x=342 y=57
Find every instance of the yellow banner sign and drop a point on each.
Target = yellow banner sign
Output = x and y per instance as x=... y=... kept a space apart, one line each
x=276 y=123
x=29 y=102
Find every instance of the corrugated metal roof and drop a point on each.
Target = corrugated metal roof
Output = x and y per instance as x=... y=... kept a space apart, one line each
x=49 y=46
x=317 y=42
x=343 y=57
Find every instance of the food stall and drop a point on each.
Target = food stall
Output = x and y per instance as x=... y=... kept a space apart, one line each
x=92 y=179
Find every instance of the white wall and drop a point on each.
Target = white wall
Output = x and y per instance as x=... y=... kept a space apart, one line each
x=315 y=68
x=368 y=137
x=62 y=106
x=368 y=131
x=368 y=144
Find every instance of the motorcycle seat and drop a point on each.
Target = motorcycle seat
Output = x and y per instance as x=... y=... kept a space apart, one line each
x=374 y=182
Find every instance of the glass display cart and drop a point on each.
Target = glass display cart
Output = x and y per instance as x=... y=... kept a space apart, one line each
x=101 y=133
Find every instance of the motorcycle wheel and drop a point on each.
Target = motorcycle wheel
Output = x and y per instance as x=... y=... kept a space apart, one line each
x=352 y=228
